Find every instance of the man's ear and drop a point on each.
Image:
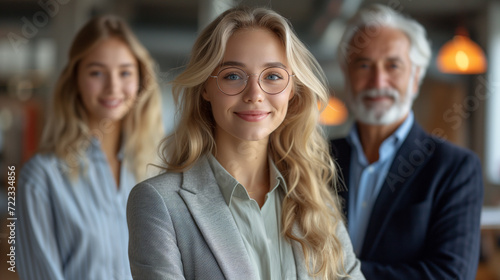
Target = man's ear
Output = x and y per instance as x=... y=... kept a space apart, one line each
x=416 y=80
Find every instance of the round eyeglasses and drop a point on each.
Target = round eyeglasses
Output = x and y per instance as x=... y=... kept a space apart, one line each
x=233 y=80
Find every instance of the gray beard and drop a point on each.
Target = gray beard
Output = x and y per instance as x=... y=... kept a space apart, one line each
x=381 y=115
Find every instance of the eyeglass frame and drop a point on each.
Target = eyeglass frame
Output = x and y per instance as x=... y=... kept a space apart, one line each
x=248 y=76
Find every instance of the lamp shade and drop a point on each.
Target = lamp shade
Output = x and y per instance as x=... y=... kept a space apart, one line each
x=461 y=56
x=335 y=112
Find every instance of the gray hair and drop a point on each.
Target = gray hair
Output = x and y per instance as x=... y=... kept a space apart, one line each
x=375 y=16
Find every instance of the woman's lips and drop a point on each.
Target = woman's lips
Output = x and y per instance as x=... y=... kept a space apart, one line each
x=113 y=103
x=252 y=116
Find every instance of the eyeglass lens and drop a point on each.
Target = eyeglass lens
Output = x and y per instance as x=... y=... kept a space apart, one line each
x=233 y=80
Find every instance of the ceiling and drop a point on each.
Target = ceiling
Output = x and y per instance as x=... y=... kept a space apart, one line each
x=303 y=14
x=169 y=27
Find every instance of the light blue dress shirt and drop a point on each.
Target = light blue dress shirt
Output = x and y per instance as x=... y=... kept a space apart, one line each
x=366 y=179
x=72 y=229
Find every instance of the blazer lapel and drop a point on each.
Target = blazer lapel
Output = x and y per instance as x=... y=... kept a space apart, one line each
x=208 y=208
x=401 y=173
x=298 y=255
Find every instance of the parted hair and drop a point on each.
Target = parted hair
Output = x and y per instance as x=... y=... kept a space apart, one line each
x=66 y=133
x=297 y=146
x=376 y=16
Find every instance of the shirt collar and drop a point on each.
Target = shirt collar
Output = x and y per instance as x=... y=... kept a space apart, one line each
x=276 y=177
x=228 y=184
x=94 y=149
x=389 y=145
x=404 y=128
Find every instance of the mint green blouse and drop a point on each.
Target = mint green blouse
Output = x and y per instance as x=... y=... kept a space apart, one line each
x=260 y=228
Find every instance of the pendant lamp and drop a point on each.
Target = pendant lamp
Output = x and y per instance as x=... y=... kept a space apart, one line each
x=335 y=112
x=461 y=55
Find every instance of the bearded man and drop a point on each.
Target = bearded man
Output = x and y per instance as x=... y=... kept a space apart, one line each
x=413 y=201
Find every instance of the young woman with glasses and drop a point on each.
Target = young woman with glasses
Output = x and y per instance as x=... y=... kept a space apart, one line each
x=246 y=192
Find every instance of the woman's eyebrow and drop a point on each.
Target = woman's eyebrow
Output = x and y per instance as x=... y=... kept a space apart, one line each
x=94 y=64
x=275 y=64
x=98 y=64
x=232 y=63
x=269 y=64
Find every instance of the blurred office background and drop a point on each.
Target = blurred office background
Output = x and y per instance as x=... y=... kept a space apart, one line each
x=463 y=108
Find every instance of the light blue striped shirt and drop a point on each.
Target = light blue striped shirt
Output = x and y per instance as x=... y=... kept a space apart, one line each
x=366 y=179
x=72 y=229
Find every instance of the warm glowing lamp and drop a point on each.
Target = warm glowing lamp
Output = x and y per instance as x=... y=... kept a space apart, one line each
x=461 y=56
x=335 y=112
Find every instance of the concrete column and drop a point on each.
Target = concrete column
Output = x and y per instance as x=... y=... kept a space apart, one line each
x=72 y=15
x=491 y=96
x=209 y=9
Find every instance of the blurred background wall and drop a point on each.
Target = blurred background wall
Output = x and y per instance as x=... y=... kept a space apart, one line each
x=35 y=36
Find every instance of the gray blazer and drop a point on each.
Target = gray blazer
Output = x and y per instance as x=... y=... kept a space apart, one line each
x=181 y=228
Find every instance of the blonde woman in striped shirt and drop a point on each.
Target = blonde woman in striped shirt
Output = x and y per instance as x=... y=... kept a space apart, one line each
x=105 y=123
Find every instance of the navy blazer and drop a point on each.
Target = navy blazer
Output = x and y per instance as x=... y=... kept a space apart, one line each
x=425 y=223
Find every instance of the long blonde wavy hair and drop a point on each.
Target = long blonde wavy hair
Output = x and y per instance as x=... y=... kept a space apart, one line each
x=66 y=133
x=297 y=147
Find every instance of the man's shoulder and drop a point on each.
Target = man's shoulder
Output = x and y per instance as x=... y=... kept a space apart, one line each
x=439 y=148
x=338 y=146
x=339 y=141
